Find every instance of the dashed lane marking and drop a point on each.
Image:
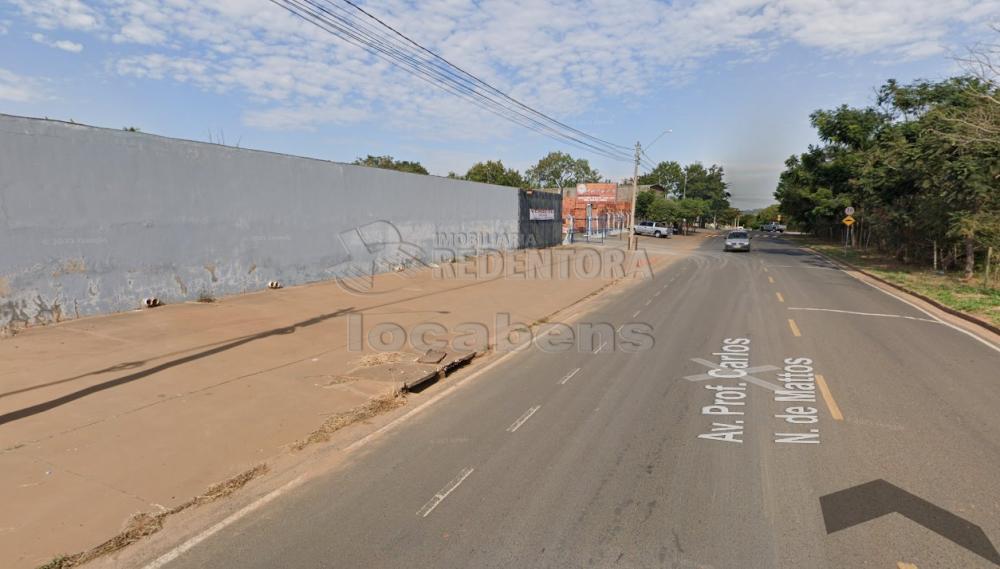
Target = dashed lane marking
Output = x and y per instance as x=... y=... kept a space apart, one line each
x=440 y=496
x=569 y=376
x=824 y=389
x=636 y=313
x=770 y=280
x=523 y=419
x=795 y=328
x=780 y=298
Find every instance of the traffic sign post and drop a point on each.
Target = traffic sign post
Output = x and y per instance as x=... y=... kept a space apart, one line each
x=849 y=210
x=848 y=221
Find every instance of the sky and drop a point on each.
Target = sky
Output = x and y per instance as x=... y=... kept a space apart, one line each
x=733 y=80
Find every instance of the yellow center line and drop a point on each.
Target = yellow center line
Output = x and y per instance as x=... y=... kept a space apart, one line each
x=902 y=565
x=765 y=269
x=830 y=402
x=770 y=280
x=780 y=298
x=794 y=327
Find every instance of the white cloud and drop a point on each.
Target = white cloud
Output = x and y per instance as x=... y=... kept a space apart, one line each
x=560 y=56
x=53 y=14
x=20 y=89
x=64 y=45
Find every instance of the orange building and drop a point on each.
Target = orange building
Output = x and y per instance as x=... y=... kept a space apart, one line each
x=610 y=206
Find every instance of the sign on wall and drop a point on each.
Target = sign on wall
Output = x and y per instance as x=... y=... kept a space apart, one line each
x=541 y=214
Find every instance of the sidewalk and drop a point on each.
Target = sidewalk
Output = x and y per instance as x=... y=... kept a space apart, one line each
x=105 y=417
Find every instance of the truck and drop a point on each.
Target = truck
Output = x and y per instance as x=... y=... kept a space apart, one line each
x=654 y=229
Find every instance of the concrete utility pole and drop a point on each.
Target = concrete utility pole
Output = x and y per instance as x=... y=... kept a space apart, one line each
x=633 y=240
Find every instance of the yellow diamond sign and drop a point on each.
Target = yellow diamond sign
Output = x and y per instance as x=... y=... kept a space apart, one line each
x=848 y=221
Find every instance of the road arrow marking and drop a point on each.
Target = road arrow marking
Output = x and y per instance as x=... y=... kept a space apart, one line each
x=871 y=500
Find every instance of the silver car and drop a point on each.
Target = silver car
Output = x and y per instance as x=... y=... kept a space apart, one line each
x=738 y=241
x=654 y=228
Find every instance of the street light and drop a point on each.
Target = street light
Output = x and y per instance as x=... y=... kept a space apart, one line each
x=633 y=241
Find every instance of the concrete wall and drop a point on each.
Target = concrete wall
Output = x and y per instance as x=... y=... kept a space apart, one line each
x=94 y=220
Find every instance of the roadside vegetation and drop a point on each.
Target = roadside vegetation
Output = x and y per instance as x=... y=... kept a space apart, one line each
x=692 y=192
x=974 y=297
x=921 y=168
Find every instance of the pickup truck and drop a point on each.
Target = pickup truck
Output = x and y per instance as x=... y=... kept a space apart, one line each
x=653 y=228
x=772 y=227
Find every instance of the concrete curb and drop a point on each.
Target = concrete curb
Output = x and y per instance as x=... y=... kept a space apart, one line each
x=442 y=371
x=963 y=315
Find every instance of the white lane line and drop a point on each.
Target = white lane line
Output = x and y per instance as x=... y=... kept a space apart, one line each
x=380 y=432
x=658 y=292
x=569 y=376
x=636 y=313
x=233 y=518
x=982 y=341
x=867 y=314
x=523 y=419
x=599 y=348
x=619 y=329
x=648 y=301
x=440 y=496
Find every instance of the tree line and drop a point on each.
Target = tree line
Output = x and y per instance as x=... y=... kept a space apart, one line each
x=690 y=192
x=921 y=167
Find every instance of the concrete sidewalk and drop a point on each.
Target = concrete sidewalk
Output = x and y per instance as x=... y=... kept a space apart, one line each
x=105 y=417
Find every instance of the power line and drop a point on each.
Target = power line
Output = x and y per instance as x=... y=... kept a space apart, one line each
x=338 y=21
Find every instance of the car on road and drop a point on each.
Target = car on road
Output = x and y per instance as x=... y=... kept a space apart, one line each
x=654 y=229
x=738 y=241
x=773 y=227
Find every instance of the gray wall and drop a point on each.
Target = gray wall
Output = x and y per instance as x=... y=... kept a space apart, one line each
x=94 y=220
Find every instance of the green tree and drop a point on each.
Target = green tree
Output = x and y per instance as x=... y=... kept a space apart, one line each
x=560 y=170
x=915 y=173
x=390 y=163
x=494 y=172
x=642 y=203
x=670 y=175
x=663 y=210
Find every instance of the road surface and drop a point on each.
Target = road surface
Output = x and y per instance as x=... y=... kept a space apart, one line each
x=614 y=459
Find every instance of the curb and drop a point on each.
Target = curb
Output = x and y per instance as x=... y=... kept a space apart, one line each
x=964 y=316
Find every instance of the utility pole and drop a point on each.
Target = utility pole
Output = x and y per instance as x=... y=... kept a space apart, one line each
x=633 y=240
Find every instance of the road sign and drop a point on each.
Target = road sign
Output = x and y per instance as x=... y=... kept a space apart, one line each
x=848 y=210
x=848 y=221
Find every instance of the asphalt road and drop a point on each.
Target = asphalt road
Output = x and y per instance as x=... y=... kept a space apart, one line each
x=608 y=469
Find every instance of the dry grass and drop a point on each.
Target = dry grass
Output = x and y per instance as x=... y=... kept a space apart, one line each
x=970 y=297
x=372 y=408
x=144 y=524
x=381 y=358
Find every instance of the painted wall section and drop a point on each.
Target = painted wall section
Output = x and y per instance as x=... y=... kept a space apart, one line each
x=94 y=220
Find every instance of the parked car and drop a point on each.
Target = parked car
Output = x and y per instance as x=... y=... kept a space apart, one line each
x=773 y=227
x=738 y=241
x=654 y=229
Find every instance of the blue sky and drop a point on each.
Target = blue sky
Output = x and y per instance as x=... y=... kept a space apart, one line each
x=735 y=80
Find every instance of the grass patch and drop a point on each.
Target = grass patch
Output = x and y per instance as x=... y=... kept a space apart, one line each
x=145 y=524
x=374 y=407
x=971 y=297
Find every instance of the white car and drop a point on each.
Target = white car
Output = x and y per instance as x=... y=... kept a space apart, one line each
x=738 y=241
x=653 y=228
